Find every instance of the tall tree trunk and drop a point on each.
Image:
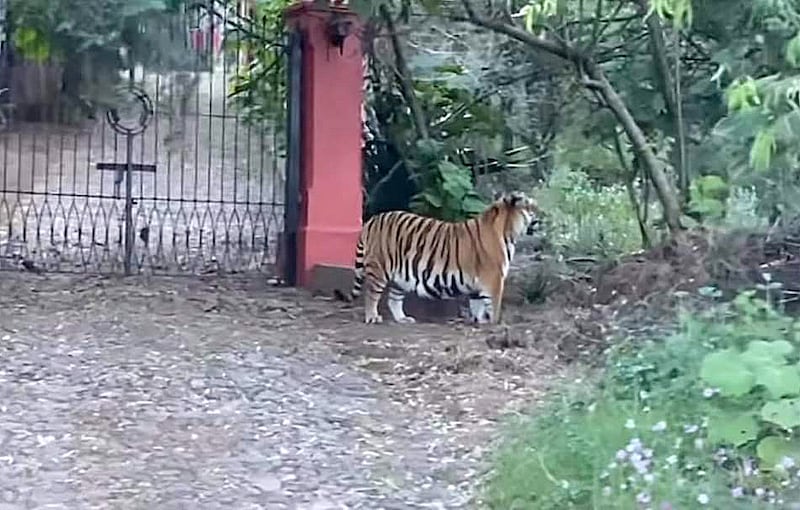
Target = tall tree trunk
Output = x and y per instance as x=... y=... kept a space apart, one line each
x=404 y=76
x=666 y=193
x=669 y=90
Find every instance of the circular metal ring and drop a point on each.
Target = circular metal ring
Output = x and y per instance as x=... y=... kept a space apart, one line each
x=145 y=114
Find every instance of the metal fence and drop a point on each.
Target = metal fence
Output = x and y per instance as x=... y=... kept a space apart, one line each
x=202 y=187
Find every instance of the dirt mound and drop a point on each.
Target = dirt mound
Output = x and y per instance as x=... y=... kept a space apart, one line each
x=578 y=303
x=731 y=261
x=679 y=264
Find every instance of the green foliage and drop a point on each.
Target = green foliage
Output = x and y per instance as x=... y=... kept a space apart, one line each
x=708 y=196
x=258 y=88
x=444 y=186
x=446 y=189
x=707 y=416
x=62 y=29
x=583 y=218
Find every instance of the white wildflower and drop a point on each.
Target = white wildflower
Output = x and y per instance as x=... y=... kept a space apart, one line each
x=630 y=424
x=737 y=492
x=672 y=460
x=634 y=445
x=748 y=467
x=660 y=426
x=703 y=499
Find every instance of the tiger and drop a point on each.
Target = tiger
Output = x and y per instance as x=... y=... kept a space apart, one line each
x=436 y=259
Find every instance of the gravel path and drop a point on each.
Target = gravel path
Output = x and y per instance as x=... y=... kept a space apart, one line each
x=173 y=394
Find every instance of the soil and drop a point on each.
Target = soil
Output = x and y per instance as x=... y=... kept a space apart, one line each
x=228 y=393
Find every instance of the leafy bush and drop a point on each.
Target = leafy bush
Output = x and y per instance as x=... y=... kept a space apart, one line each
x=446 y=189
x=707 y=417
x=585 y=219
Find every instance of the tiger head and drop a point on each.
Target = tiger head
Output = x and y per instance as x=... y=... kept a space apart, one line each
x=516 y=212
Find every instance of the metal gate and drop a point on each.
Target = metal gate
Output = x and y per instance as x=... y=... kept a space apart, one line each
x=160 y=157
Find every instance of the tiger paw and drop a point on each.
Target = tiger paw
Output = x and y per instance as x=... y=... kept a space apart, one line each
x=406 y=320
x=375 y=319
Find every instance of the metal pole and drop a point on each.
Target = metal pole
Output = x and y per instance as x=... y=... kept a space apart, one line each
x=129 y=239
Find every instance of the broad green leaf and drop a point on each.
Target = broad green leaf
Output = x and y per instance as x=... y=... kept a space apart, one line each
x=432 y=199
x=772 y=450
x=780 y=381
x=784 y=412
x=730 y=428
x=727 y=371
x=473 y=205
x=778 y=348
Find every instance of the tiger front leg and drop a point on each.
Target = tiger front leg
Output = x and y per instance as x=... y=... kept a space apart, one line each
x=396 y=298
x=496 y=291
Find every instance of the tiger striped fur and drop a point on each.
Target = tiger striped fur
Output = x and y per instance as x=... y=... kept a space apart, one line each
x=409 y=253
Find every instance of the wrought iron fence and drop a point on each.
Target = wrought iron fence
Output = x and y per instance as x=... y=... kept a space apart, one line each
x=204 y=186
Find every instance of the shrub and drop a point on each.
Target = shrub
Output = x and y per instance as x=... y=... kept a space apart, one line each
x=704 y=418
x=586 y=219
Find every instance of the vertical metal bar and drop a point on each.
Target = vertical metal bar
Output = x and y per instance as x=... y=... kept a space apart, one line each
x=221 y=143
x=294 y=121
x=128 y=204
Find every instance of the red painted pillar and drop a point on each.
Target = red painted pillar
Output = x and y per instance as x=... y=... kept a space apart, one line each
x=332 y=95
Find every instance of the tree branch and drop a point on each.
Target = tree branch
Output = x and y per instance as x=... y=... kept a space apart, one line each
x=404 y=76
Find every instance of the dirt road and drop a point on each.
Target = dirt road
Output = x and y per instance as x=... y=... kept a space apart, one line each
x=206 y=394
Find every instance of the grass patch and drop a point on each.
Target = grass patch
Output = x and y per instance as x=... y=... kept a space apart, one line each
x=651 y=431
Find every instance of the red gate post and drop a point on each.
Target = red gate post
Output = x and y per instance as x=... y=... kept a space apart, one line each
x=331 y=136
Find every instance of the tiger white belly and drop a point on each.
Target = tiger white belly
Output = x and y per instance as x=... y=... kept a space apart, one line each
x=435 y=286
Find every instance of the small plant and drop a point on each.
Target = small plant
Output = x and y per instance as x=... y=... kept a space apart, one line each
x=707 y=197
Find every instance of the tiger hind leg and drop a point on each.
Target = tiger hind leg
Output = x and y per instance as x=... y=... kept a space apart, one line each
x=374 y=289
x=395 y=301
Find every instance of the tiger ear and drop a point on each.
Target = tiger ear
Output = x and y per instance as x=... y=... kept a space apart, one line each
x=516 y=198
x=497 y=195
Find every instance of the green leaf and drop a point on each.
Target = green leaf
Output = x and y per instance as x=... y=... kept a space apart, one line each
x=762 y=150
x=779 y=381
x=735 y=429
x=726 y=370
x=432 y=199
x=455 y=190
x=776 y=350
x=784 y=412
x=772 y=450
x=473 y=205
x=793 y=51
